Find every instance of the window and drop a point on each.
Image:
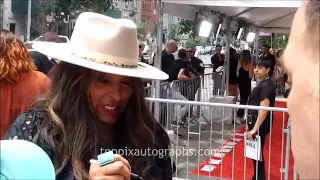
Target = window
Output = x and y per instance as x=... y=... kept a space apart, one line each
x=13 y=28
x=143 y=4
x=1 y=14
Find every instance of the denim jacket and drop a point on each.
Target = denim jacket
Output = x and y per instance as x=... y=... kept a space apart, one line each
x=26 y=127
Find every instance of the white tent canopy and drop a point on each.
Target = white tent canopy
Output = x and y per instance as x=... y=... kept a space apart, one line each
x=269 y=16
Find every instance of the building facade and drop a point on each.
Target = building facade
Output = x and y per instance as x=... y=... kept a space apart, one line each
x=148 y=14
x=129 y=10
x=14 y=14
x=169 y=22
x=1 y=14
x=13 y=21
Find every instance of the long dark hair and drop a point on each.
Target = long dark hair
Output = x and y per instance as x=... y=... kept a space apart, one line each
x=71 y=130
x=245 y=57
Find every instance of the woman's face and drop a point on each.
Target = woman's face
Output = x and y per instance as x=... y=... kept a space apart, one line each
x=261 y=71
x=109 y=95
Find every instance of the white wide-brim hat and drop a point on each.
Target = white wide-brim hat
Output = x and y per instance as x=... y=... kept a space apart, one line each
x=103 y=44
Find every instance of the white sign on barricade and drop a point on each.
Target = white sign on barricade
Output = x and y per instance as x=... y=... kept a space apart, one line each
x=253 y=148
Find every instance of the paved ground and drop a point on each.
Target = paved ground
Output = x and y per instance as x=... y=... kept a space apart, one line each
x=198 y=139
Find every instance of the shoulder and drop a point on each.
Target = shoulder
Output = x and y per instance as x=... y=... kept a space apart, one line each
x=199 y=60
x=268 y=83
x=41 y=79
x=26 y=125
x=267 y=87
x=39 y=75
x=164 y=53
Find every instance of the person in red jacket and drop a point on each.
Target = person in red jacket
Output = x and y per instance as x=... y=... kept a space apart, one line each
x=19 y=81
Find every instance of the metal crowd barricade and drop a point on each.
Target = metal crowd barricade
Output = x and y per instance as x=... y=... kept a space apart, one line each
x=201 y=88
x=150 y=91
x=211 y=85
x=217 y=134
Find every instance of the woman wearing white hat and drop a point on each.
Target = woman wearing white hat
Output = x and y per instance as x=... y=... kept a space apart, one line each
x=97 y=103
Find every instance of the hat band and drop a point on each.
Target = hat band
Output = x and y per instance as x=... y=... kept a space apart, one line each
x=102 y=59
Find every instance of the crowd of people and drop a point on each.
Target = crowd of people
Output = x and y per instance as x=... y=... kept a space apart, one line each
x=241 y=71
x=71 y=100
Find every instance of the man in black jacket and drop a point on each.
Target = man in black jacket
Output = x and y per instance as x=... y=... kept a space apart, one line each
x=167 y=58
x=45 y=63
x=217 y=59
x=196 y=63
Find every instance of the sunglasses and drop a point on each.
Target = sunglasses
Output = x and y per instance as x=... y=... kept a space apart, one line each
x=190 y=51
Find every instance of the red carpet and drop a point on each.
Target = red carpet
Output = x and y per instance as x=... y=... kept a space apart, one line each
x=239 y=155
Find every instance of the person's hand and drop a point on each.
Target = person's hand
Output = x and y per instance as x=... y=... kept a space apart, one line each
x=250 y=134
x=119 y=169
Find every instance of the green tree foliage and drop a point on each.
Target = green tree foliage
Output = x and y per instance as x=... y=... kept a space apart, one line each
x=64 y=8
x=194 y=41
x=278 y=41
x=174 y=32
x=155 y=30
x=141 y=31
x=187 y=27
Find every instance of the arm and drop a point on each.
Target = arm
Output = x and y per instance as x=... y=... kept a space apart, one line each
x=201 y=67
x=238 y=67
x=181 y=75
x=251 y=71
x=214 y=62
x=212 y=59
x=262 y=114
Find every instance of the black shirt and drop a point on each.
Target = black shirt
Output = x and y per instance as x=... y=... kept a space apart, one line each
x=265 y=89
x=167 y=61
x=198 y=65
x=233 y=70
x=42 y=62
x=216 y=61
x=176 y=67
x=193 y=65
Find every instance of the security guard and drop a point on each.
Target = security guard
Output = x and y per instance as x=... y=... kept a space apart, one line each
x=196 y=63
